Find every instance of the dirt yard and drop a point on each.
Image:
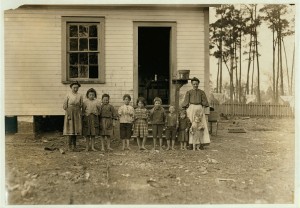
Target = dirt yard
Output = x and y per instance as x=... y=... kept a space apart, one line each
x=255 y=167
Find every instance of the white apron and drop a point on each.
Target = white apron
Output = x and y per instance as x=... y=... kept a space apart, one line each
x=190 y=114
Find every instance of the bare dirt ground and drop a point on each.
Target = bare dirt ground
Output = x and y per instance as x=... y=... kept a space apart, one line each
x=252 y=167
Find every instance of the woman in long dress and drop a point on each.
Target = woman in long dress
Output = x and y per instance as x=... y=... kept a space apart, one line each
x=72 y=122
x=195 y=100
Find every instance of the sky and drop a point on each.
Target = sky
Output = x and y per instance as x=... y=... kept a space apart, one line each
x=265 y=50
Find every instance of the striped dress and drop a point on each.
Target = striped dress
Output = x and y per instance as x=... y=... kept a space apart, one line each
x=141 y=122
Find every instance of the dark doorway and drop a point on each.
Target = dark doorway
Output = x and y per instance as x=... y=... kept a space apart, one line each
x=154 y=63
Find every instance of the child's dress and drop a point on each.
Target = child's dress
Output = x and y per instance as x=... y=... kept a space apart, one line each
x=183 y=135
x=91 y=109
x=72 y=121
x=197 y=129
x=107 y=115
x=141 y=122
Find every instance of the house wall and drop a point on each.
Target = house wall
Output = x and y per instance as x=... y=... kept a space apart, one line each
x=33 y=53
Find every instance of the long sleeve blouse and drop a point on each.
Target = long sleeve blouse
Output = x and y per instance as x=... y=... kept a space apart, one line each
x=73 y=99
x=157 y=115
x=126 y=114
x=197 y=97
x=91 y=107
x=108 y=111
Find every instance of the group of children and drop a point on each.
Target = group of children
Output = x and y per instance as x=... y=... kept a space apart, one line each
x=92 y=118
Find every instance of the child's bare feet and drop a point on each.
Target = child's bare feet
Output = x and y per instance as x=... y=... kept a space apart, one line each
x=110 y=149
x=102 y=150
x=173 y=148
x=143 y=148
x=167 y=148
x=93 y=149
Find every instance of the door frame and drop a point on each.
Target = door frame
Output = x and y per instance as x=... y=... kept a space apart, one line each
x=172 y=53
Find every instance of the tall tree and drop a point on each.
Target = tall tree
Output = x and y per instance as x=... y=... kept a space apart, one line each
x=274 y=16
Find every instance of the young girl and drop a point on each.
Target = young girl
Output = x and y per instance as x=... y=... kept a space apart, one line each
x=183 y=129
x=91 y=108
x=72 y=121
x=171 y=127
x=157 y=118
x=141 y=122
x=107 y=116
x=197 y=130
x=126 y=115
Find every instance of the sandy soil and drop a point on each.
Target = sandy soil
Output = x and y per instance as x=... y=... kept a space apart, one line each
x=237 y=168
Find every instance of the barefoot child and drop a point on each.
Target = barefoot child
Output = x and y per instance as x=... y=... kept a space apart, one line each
x=107 y=115
x=91 y=108
x=157 y=118
x=184 y=125
x=72 y=121
x=141 y=122
x=171 y=127
x=197 y=130
x=126 y=115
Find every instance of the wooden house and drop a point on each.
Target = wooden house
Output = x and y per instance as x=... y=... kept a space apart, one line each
x=116 y=49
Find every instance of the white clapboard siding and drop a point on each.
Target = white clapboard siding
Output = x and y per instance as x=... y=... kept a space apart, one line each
x=33 y=53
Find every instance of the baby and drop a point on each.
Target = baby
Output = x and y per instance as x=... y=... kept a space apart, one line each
x=197 y=129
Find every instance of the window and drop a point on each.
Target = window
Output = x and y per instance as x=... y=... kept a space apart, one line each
x=83 y=49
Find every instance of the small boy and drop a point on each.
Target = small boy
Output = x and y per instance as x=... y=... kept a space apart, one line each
x=157 y=119
x=171 y=127
x=183 y=129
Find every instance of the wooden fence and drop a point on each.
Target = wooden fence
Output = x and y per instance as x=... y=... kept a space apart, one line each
x=264 y=109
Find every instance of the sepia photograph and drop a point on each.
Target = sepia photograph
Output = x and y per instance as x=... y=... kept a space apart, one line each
x=186 y=103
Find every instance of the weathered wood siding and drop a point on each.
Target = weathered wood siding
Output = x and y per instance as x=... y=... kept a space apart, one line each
x=33 y=53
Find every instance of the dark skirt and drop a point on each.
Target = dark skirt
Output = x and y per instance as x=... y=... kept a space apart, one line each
x=106 y=126
x=125 y=130
x=90 y=125
x=183 y=136
x=72 y=121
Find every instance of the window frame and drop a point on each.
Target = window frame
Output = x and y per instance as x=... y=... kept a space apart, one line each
x=64 y=49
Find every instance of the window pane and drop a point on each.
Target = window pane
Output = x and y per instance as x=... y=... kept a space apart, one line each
x=93 y=31
x=93 y=72
x=73 y=58
x=73 y=31
x=83 y=31
x=93 y=59
x=74 y=44
x=73 y=71
x=83 y=58
x=93 y=44
x=83 y=72
x=83 y=44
